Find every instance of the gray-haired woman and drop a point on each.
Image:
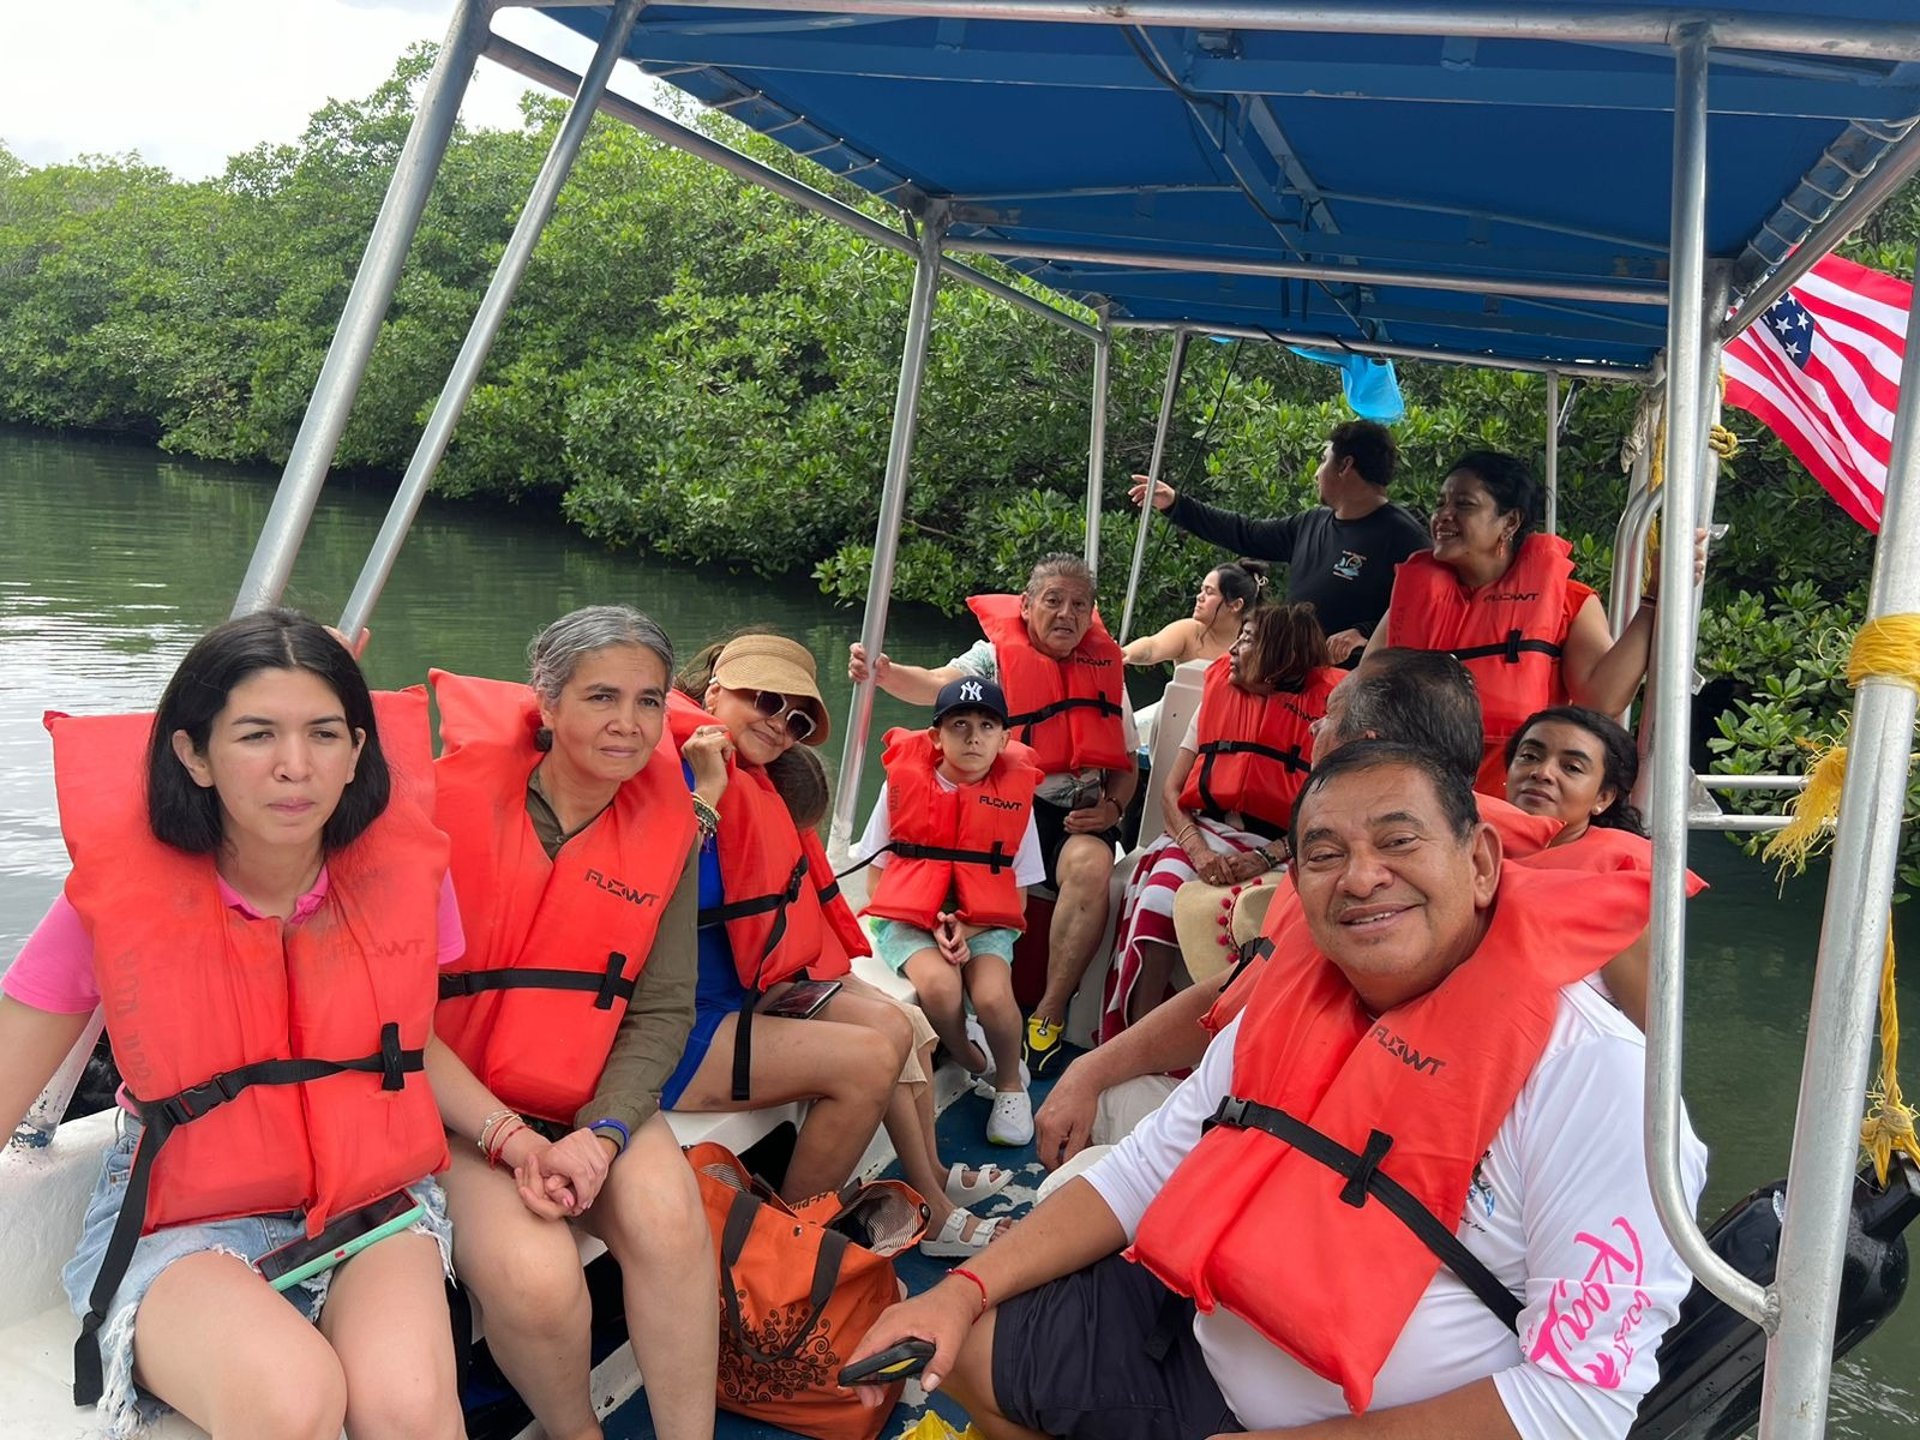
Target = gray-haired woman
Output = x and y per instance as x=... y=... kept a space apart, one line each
x=571 y=833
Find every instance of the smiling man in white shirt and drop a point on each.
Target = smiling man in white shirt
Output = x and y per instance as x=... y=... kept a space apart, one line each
x=1412 y=1039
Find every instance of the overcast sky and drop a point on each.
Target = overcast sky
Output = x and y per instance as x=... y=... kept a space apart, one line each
x=187 y=83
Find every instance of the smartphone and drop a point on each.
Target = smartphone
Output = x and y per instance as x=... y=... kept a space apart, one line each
x=348 y=1234
x=907 y=1358
x=803 y=1001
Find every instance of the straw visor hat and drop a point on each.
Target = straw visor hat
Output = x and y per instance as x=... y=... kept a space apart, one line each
x=1213 y=921
x=773 y=662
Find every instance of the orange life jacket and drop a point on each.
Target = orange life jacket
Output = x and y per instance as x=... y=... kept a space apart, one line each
x=276 y=1067
x=780 y=890
x=784 y=913
x=1407 y=1101
x=554 y=947
x=1508 y=634
x=1604 y=848
x=953 y=848
x=1068 y=711
x=845 y=936
x=1254 y=749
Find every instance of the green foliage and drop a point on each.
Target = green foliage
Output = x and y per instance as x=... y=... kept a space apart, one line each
x=697 y=369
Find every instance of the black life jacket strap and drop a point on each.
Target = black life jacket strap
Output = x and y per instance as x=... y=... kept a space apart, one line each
x=1293 y=759
x=1026 y=720
x=1508 y=650
x=758 y=905
x=1258 y=948
x=996 y=859
x=161 y=1118
x=609 y=985
x=1364 y=1180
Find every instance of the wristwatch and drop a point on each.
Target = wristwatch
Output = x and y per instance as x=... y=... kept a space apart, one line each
x=1274 y=854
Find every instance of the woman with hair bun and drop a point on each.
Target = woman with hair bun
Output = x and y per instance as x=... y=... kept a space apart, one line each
x=1227 y=596
x=572 y=836
x=258 y=894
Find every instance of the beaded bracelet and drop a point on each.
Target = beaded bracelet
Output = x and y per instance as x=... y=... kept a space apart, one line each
x=487 y=1125
x=705 y=818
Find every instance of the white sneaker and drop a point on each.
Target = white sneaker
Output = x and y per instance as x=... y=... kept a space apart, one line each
x=1011 y=1122
x=983 y=1082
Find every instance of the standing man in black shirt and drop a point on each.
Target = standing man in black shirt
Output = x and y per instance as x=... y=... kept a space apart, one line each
x=1340 y=554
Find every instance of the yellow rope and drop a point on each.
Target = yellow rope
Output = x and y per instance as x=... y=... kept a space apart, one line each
x=1884 y=649
x=1720 y=440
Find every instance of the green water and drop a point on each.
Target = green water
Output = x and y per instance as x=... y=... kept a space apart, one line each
x=112 y=559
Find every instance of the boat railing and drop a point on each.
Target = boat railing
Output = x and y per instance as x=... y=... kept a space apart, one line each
x=1797 y=1309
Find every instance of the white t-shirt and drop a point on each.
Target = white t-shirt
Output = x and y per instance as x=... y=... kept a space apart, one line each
x=1029 y=866
x=1069 y=789
x=1559 y=1211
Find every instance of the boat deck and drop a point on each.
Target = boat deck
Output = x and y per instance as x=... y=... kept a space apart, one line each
x=962 y=1130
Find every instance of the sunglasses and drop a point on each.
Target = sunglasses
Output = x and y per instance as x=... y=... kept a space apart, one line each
x=773 y=705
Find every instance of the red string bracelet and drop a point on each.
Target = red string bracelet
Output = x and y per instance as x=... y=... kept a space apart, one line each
x=978 y=1284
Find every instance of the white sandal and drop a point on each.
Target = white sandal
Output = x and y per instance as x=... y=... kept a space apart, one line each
x=989 y=1181
x=953 y=1242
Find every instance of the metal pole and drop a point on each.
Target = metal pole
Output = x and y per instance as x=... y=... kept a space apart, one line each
x=543 y=71
x=1672 y=699
x=1552 y=454
x=1889 y=173
x=1097 y=438
x=367 y=301
x=1477 y=284
x=1598 y=371
x=474 y=350
x=1853 y=935
x=1175 y=363
x=1719 y=276
x=893 y=509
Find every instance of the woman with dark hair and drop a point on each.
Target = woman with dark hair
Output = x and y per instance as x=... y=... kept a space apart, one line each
x=258 y=898
x=1227 y=596
x=572 y=835
x=1227 y=797
x=1502 y=598
x=1577 y=766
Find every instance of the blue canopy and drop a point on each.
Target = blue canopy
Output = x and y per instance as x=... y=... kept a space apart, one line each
x=1072 y=150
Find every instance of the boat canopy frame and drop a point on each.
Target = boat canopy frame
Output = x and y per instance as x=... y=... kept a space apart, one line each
x=1797 y=1309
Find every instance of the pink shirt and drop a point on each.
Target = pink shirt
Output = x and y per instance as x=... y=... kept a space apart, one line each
x=54 y=971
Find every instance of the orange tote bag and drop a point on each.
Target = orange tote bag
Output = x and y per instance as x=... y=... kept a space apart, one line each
x=798 y=1288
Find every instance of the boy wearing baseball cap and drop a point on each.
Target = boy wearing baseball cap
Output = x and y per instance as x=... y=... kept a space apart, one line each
x=954 y=842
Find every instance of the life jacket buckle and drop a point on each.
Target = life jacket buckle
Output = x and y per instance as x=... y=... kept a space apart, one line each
x=1514 y=637
x=190 y=1104
x=1232 y=1111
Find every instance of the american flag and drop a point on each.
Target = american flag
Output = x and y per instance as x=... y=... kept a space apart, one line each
x=1822 y=369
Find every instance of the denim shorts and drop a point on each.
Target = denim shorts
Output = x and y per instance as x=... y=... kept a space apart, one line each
x=125 y=1409
x=897 y=942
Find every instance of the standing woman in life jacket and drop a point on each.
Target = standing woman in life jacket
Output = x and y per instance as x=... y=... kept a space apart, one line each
x=572 y=842
x=1502 y=598
x=1227 y=797
x=1579 y=767
x=258 y=893
x=770 y=914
